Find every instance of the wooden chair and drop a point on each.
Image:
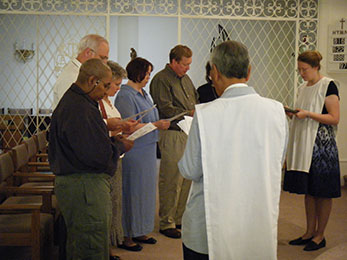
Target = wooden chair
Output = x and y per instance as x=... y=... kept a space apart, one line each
x=45 y=190
x=34 y=162
x=42 y=148
x=26 y=217
x=45 y=111
x=25 y=225
x=21 y=169
x=42 y=143
x=23 y=195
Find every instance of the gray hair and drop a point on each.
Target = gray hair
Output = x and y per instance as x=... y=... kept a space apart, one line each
x=231 y=59
x=92 y=67
x=118 y=72
x=91 y=41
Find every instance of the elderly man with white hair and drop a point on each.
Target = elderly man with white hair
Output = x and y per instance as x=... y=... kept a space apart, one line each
x=90 y=46
x=234 y=156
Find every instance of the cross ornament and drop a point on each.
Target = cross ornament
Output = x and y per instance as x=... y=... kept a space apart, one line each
x=342 y=22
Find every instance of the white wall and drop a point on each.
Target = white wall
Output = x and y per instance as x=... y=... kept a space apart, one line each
x=157 y=36
x=330 y=12
x=128 y=30
x=152 y=38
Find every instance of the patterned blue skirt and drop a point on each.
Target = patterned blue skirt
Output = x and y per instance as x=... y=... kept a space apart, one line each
x=323 y=179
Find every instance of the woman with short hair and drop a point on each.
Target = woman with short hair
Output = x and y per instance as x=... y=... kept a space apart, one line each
x=139 y=164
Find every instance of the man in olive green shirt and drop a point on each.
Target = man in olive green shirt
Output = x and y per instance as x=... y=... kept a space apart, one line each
x=173 y=92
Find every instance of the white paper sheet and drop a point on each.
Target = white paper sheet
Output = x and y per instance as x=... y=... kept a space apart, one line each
x=147 y=128
x=142 y=113
x=185 y=124
x=176 y=116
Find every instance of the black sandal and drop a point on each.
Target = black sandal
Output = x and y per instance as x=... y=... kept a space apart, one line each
x=136 y=247
x=149 y=240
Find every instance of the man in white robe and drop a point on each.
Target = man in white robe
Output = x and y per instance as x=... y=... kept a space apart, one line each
x=234 y=156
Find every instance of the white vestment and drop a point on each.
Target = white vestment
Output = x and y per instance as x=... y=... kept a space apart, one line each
x=243 y=141
x=303 y=132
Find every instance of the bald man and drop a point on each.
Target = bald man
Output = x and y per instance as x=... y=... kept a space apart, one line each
x=83 y=157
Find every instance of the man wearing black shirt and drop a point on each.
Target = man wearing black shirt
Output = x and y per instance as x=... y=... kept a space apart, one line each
x=83 y=157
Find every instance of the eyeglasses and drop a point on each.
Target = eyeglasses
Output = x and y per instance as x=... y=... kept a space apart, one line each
x=104 y=58
x=303 y=70
x=106 y=85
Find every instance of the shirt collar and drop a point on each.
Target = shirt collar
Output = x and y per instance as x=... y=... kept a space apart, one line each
x=75 y=88
x=237 y=85
x=77 y=63
x=134 y=91
x=239 y=89
x=171 y=71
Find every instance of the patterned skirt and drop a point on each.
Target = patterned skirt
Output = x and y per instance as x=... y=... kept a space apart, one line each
x=323 y=179
x=116 y=233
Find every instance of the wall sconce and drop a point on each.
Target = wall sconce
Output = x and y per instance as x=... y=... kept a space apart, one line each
x=22 y=53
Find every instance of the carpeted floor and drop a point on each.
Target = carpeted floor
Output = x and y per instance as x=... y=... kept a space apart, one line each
x=291 y=225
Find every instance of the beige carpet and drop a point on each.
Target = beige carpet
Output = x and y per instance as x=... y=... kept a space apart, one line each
x=291 y=225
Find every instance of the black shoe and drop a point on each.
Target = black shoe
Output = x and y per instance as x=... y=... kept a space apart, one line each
x=149 y=240
x=299 y=241
x=178 y=226
x=136 y=247
x=114 y=257
x=311 y=246
x=171 y=232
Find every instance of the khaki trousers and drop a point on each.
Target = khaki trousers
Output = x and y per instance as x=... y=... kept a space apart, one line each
x=173 y=188
x=85 y=203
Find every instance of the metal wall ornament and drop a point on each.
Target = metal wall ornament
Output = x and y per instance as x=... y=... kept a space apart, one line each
x=248 y=8
x=222 y=37
x=153 y=7
x=308 y=9
x=243 y=8
x=78 y=6
x=65 y=52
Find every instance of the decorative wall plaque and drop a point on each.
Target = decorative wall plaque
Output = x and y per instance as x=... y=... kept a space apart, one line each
x=337 y=47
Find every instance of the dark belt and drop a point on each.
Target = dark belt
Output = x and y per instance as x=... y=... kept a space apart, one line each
x=174 y=126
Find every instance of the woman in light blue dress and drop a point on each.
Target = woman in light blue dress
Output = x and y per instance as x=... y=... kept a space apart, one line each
x=139 y=164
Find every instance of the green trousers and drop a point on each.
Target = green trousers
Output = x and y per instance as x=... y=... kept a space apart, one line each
x=84 y=200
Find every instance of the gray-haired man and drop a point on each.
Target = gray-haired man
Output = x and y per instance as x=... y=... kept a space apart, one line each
x=234 y=156
x=90 y=46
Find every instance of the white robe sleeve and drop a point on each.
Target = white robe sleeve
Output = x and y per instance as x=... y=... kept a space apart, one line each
x=190 y=164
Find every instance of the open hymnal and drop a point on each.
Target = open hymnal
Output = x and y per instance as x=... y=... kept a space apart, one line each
x=147 y=128
x=185 y=124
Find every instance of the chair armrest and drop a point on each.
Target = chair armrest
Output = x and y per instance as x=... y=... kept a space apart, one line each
x=38 y=163
x=48 y=176
x=28 y=190
x=19 y=208
x=45 y=192
x=41 y=155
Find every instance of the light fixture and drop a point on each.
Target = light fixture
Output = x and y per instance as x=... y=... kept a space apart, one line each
x=22 y=53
